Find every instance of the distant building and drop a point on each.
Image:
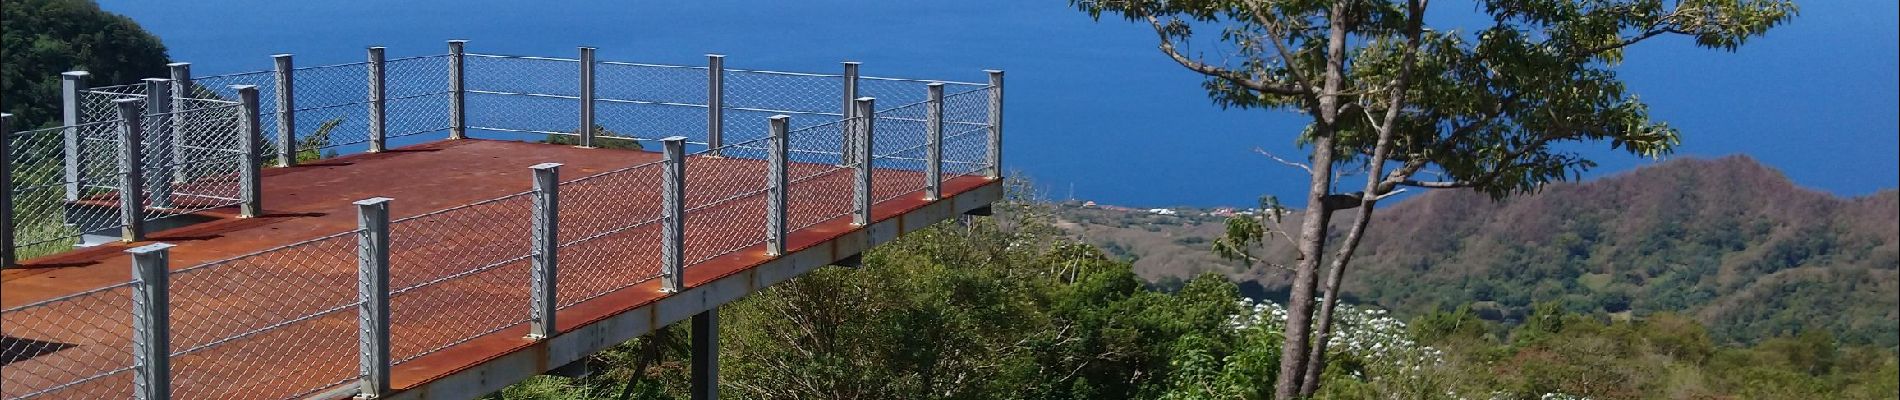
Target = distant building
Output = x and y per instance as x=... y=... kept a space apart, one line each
x=1090 y=203
x=1162 y=211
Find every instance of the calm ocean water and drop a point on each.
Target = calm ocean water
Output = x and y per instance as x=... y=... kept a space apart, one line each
x=1094 y=110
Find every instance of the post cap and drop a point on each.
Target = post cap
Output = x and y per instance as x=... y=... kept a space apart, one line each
x=75 y=74
x=546 y=165
x=865 y=98
x=674 y=139
x=852 y=63
x=243 y=87
x=150 y=248
x=160 y=80
x=780 y=117
x=178 y=64
x=372 y=201
x=124 y=102
x=715 y=55
x=458 y=40
x=377 y=48
x=934 y=85
x=993 y=71
x=284 y=55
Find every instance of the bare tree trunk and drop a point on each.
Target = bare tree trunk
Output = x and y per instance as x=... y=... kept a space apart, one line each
x=1316 y=359
x=1312 y=245
x=1375 y=168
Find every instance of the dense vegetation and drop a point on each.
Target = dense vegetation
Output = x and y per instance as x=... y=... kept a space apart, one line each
x=43 y=38
x=1728 y=242
x=1017 y=310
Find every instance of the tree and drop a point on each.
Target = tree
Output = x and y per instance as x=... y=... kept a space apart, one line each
x=1488 y=110
x=42 y=38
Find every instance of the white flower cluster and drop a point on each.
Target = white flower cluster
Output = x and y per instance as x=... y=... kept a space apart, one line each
x=1370 y=334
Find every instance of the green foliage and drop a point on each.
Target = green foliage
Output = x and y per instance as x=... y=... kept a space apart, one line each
x=43 y=38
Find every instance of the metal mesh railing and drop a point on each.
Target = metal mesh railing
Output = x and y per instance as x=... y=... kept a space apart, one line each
x=442 y=262
x=278 y=323
x=283 y=322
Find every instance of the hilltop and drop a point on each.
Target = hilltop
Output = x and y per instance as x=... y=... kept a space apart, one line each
x=1730 y=241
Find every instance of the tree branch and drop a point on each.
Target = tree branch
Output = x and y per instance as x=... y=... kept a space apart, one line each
x=1168 y=48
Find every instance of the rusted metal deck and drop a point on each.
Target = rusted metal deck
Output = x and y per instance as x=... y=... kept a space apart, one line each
x=459 y=333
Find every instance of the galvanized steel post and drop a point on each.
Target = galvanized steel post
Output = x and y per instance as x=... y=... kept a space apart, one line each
x=378 y=132
x=776 y=184
x=673 y=214
x=131 y=171
x=458 y=93
x=158 y=105
x=706 y=355
x=545 y=276
x=250 y=144
x=715 y=103
x=996 y=125
x=846 y=157
x=587 y=97
x=861 y=196
x=151 y=322
x=372 y=275
x=286 y=112
x=181 y=128
x=933 y=132
x=7 y=256
x=71 y=84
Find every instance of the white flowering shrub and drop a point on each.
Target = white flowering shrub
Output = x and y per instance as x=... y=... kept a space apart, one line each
x=1371 y=354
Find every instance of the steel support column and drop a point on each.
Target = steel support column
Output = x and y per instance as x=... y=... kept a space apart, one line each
x=861 y=124
x=545 y=278
x=151 y=322
x=372 y=275
x=250 y=147
x=286 y=111
x=131 y=171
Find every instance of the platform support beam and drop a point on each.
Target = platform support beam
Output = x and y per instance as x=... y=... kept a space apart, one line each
x=586 y=125
x=458 y=92
x=849 y=108
x=715 y=103
x=706 y=355
x=7 y=256
x=673 y=214
x=372 y=275
x=776 y=184
x=547 y=213
x=250 y=144
x=933 y=145
x=861 y=125
x=151 y=322
x=71 y=86
x=996 y=125
x=181 y=91
x=158 y=105
x=286 y=111
x=378 y=104
x=131 y=171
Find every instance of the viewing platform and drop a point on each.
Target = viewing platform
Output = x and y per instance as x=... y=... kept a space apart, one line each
x=195 y=238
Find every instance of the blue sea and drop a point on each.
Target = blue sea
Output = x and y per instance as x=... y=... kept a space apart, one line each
x=1094 y=111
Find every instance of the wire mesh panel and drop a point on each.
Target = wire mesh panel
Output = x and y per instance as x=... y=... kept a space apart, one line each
x=274 y=324
x=609 y=232
x=332 y=107
x=797 y=94
x=820 y=188
x=418 y=95
x=196 y=154
x=218 y=87
x=900 y=149
x=966 y=133
x=96 y=104
x=45 y=221
x=725 y=201
x=458 y=274
x=74 y=347
x=650 y=83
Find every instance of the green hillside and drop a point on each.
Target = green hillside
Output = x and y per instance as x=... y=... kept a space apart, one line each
x=1729 y=241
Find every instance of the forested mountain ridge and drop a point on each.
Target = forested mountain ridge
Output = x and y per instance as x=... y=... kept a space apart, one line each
x=1728 y=240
